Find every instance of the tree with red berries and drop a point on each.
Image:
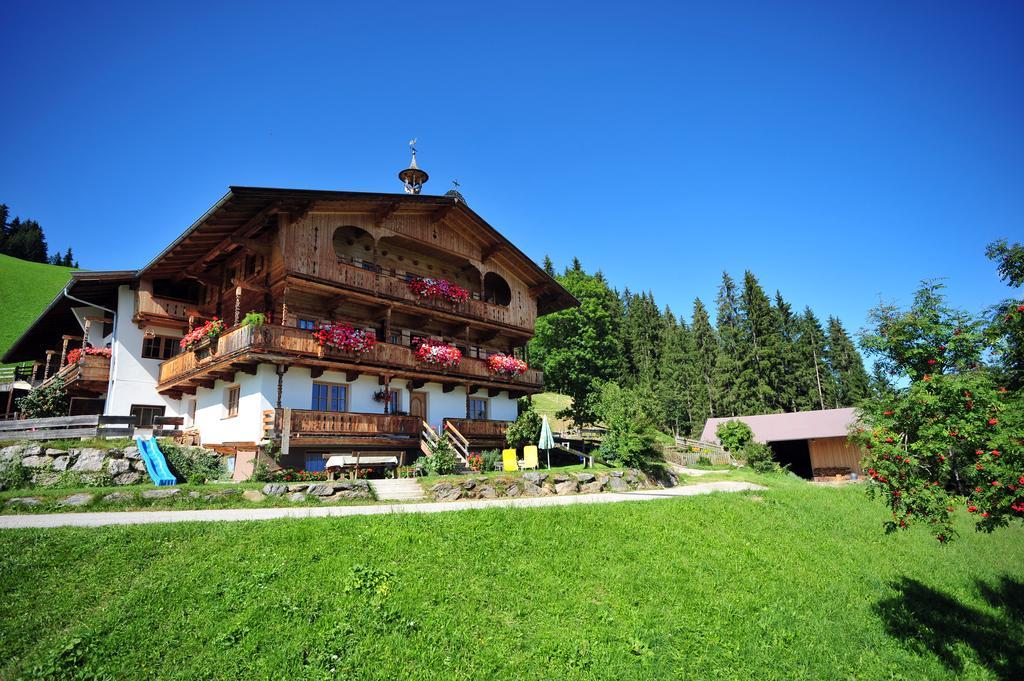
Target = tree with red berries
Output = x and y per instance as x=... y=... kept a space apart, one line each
x=948 y=435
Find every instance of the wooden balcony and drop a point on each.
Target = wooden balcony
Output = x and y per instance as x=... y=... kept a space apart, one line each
x=308 y=427
x=90 y=375
x=383 y=285
x=156 y=309
x=241 y=348
x=481 y=430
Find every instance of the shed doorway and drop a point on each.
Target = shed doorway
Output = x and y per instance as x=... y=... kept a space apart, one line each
x=795 y=454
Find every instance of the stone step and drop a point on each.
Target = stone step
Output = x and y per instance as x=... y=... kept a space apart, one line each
x=401 y=489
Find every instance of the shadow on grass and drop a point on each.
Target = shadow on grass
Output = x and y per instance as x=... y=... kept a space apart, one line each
x=927 y=620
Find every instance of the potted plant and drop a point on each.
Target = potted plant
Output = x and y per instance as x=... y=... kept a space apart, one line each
x=437 y=354
x=508 y=366
x=344 y=338
x=204 y=336
x=425 y=287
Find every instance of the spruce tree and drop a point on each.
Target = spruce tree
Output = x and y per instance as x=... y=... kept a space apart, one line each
x=676 y=376
x=811 y=375
x=851 y=380
x=704 y=358
x=789 y=331
x=729 y=388
x=643 y=337
x=549 y=266
x=761 y=375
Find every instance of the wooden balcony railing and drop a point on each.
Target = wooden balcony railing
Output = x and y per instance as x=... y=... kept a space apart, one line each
x=300 y=343
x=385 y=284
x=154 y=306
x=309 y=423
x=474 y=428
x=90 y=372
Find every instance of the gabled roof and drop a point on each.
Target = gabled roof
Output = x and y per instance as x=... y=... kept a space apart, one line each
x=800 y=425
x=97 y=288
x=246 y=211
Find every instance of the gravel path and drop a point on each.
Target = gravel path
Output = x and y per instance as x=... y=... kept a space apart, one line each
x=238 y=514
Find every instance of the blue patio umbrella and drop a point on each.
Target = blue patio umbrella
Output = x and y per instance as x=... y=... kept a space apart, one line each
x=546 y=441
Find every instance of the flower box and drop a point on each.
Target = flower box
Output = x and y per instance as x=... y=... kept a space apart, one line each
x=438 y=354
x=501 y=364
x=345 y=338
x=428 y=288
x=203 y=336
x=76 y=355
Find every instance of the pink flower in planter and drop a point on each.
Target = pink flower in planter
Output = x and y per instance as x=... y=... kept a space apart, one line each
x=344 y=337
x=506 y=365
x=425 y=287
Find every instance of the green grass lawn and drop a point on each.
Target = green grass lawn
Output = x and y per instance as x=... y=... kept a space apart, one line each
x=795 y=582
x=26 y=288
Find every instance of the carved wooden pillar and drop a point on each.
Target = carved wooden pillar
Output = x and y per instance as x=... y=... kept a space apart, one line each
x=85 y=335
x=35 y=370
x=191 y=322
x=64 y=351
x=468 y=387
x=282 y=369
x=284 y=307
x=46 y=368
x=238 y=304
x=386 y=381
x=387 y=325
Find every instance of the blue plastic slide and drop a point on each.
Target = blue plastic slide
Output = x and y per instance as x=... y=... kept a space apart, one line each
x=156 y=464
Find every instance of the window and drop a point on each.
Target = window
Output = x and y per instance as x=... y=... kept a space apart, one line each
x=192 y=412
x=160 y=347
x=395 y=403
x=307 y=324
x=329 y=397
x=145 y=413
x=477 y=408
x=315 y=462
x=231 y=396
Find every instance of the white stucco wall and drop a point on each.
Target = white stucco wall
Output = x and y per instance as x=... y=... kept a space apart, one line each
x=503 y=408
x=254 y=398
x=134 y=379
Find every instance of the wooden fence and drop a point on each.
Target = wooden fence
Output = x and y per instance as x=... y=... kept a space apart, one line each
x=687 y=452
x=90 y=426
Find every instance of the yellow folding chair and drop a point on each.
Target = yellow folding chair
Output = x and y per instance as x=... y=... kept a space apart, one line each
x=530 y=457
x=509 y=462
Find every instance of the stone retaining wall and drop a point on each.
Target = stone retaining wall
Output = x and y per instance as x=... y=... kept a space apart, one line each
x=47 y=467
x=539 y=484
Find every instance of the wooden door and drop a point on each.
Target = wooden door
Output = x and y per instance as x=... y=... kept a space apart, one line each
x=418 y=405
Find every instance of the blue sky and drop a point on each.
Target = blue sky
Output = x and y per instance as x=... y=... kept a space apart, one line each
x=842 y=151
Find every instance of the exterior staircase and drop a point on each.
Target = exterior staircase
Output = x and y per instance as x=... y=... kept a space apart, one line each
x=428 y=437
x=399 y=489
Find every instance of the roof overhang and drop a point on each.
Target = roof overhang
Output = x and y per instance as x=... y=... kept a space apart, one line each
x=245 y=212
x=95 y=288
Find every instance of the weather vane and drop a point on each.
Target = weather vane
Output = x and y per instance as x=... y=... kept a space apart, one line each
x=456 y=184
x=412 y=177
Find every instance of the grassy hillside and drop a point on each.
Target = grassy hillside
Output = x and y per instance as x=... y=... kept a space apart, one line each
x=796 y=582
x=25 y=289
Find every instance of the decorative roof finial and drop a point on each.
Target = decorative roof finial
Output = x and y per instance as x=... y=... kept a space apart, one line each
x=412 y=177
x=455 y=193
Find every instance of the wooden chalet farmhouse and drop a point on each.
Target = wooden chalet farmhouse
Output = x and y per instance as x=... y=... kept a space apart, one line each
x=387 y=318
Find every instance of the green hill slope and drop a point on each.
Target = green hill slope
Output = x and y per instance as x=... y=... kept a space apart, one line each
x=25 y=289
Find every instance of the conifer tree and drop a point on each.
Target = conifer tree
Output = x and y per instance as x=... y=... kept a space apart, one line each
x=761 y=376
x=643 y=337
x=851 y=380
x=549 y=266
x=704 y=358
x=811 y=375
x=789 y=330
x=676 y=377
x=729 y=391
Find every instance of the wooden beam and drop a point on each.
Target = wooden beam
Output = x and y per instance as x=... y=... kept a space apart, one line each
x=238 y=282
x=493 y=392
x=383 y=213
x=250 y=369
x=491 y=252
x=204 y=384
x=213 y=282
x=416 y=384
x=243 y=231
x=316 y=372
x=351 y=376
x=440 y=214
x=449 y=387
x=251 y=245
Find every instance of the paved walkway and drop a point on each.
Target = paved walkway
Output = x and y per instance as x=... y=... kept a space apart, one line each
x=236 y=514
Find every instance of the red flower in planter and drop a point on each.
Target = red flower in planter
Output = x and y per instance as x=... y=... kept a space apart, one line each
x=506 y=365
x=210 y=329
x=425 y=287
x=993 y=422
x=344 y=337
x=439 y=354
x=972 y=509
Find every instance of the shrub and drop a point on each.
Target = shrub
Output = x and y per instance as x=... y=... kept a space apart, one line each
x=759 y=457
x=195 y=465
x=441 y=460
x=261 y=473
x=630 y=437
x=734 y=435
x=45 y=402
x=703 y=460
x=75 y=480
x=491 y=458
x=525 y=430
x=254 y=320
x=14 y=476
